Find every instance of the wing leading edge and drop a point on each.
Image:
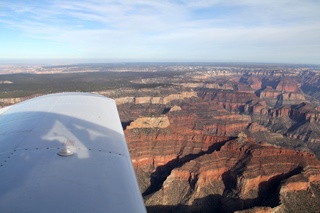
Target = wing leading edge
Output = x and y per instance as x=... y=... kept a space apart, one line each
x=97 y=176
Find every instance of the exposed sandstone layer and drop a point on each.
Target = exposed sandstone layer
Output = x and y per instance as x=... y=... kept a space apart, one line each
x=175 y=108
x=270 y=93
x=254 y=82
x=154 y=100
x=233 y=101
x=292 y=98
x=285 y=91
x=286 y=85
x=305 y=112
x=150 y=122
x=244 y=88
x=203 y=85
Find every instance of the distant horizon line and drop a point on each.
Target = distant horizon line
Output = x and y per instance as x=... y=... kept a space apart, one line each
x=79 y=61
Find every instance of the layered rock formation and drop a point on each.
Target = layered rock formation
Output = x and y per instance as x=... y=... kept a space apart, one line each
x=240 y=145
x=287 y=86
x=270 y=93
x=202 y=161
x=154 y=100
x=150 y=122
x=184 y=168
x=237 y=177
x=311 y=84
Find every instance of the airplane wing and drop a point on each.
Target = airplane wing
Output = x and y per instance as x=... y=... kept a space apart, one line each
x=66 y=153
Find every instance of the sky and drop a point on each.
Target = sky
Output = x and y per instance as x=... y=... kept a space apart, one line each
x=269 y=31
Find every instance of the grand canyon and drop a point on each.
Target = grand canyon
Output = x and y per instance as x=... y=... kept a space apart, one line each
x=207 y=138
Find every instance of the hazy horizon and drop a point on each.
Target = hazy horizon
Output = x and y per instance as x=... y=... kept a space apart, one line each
x=53 y=62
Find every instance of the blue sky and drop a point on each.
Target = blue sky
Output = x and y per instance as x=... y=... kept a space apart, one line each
x=286 y=31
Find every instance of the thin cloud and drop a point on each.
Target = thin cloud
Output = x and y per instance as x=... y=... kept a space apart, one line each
x=167 y=28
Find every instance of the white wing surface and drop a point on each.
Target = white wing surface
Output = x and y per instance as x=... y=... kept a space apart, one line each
x=66 y=153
